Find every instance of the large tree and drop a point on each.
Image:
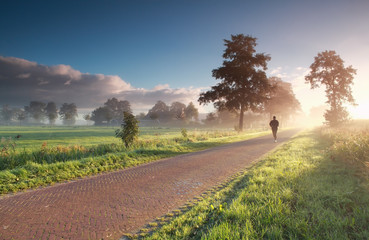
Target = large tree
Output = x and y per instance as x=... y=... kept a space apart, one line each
x=244 y=84
x=68 y=112
x=36 y=110
x=20 y=115
x=101 y=115
x=177 y=110
x=7 y=114
x=159 y=111
x=328 y=69
x=191 y=112
x=282 y=101
x=118 y=107
x=51 y=112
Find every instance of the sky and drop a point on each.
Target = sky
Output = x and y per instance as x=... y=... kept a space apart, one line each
x=148 y=50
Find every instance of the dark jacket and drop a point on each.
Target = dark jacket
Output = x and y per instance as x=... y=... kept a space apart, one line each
x=274 y=124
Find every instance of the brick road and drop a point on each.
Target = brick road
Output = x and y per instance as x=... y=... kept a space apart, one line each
x=108 y=205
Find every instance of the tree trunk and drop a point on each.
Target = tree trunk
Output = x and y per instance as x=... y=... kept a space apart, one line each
x=240 y=124
x=334 y=107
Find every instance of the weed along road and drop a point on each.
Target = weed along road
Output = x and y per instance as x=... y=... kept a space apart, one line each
x=109 y=205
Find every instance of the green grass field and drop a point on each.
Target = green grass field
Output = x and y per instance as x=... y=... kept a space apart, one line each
x=316 y=186
x=47 y=155
x=34 y=137
x=307 y=189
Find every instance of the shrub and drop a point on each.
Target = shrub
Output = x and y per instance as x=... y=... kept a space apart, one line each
x=129 y=130
x=184 y=133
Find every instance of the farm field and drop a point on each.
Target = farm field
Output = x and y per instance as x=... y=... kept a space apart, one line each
x=47 y=155
x=33 y=137
x=316 y=186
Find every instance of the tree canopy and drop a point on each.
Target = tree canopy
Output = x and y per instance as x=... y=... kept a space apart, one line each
x=191 y=112
x=101 y=115
x=36 y=110
x=159 y=111
x=6 y=113
x=176 y=111
x=68 y=112
x=328 y=69
x=51 y=112
x=129 y=129
x=244 y=84
x=113 y=109
x=118 y=107
x=282 y=100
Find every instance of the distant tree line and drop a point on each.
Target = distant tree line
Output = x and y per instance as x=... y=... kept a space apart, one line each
x=281 y=101
x=37 y=112
x=176 y=111
x=112 y=113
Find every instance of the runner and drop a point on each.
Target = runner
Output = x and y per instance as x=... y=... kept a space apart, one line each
x=274 y=125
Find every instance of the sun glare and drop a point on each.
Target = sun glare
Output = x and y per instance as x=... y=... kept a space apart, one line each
x=359 y=112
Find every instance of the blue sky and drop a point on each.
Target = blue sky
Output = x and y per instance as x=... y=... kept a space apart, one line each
x=173 y=45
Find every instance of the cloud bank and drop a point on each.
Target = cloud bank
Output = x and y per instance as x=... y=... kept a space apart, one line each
x=22 y=81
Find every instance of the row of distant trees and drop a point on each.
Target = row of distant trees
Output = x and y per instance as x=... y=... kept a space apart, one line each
x=282 y=102
x=111 y=112
x=176 y=111
x=37 y=112
x=113 y=109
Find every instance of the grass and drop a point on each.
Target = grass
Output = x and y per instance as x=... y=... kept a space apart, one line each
x=297 y=192
x=350 y=145
x=25 y=166
x=33 y=137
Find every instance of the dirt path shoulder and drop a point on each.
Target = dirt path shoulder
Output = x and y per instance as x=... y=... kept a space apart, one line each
x=108 y=205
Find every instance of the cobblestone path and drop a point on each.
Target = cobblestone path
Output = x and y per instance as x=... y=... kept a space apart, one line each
x=108 y=205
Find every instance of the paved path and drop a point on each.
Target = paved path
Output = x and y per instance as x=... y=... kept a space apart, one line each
x=108 y=205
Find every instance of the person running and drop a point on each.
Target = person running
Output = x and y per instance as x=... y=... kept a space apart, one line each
x=274 y=124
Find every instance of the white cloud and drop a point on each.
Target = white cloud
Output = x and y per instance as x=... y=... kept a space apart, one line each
x=275 y=71
x=64 y=70
x=161 y=86
x=23 y=81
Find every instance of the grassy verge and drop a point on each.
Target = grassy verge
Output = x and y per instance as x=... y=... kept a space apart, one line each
x=56 y=164
x=297 y=192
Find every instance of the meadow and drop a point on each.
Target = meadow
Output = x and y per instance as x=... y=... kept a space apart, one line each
x=39 y=156
x=316 y=186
